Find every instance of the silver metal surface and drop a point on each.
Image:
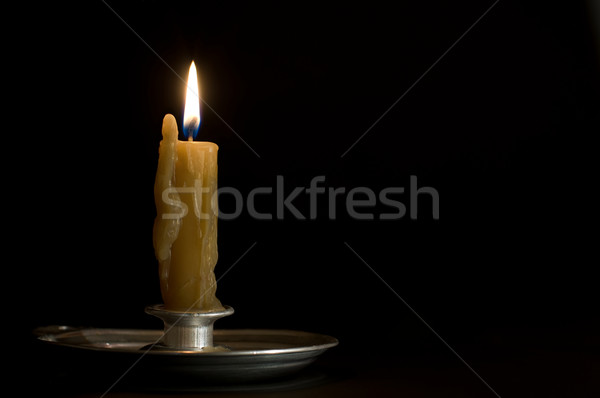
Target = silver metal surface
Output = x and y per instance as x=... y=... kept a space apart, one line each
x=191 y=331
x=254 y=355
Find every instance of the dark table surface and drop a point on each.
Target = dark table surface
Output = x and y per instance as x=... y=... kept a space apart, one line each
x=562 y=361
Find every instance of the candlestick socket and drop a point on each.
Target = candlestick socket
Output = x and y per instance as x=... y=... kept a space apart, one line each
x=185 y=330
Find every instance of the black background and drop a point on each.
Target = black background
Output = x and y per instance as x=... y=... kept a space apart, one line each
x=502 y=127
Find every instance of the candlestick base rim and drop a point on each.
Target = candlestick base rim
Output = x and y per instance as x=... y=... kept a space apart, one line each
x=254 y=355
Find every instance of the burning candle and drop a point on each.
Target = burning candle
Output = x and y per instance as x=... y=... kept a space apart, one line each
x=185 y=229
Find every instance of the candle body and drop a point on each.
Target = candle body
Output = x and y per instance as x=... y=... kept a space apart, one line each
x=185 y=229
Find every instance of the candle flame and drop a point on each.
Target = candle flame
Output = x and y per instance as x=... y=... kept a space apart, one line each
x=191 y=114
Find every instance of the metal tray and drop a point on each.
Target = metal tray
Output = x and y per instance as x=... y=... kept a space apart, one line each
x=254 y=354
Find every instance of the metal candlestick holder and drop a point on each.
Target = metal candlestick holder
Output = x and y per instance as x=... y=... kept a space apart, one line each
x=188 y=354
x=187 y=330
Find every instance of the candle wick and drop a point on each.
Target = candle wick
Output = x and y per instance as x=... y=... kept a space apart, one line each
x=191 y=138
